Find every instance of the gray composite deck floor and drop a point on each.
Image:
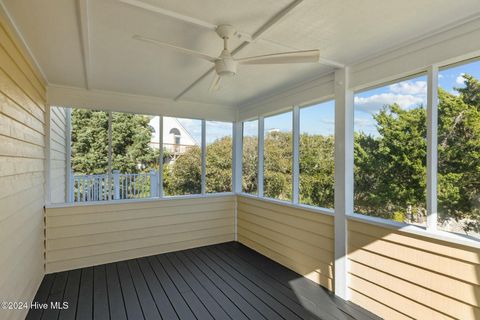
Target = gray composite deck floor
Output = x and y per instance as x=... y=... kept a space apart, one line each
x=225 y=281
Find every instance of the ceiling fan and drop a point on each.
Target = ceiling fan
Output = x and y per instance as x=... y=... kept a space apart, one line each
x=226 y=65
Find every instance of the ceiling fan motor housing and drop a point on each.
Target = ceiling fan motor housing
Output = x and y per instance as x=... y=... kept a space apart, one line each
x=225 y=65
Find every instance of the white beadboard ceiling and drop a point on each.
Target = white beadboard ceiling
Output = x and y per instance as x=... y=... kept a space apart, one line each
x=88 y=43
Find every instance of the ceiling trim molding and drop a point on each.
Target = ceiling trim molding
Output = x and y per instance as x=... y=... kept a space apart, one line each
x=58 y=95
x=307 y=92
x=451 y=45
x=422 y=40
x=34 y=62
x=84 y=27
x=264 y=28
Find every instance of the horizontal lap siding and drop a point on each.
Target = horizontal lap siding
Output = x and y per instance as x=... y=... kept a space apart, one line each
x=400 y=276
x=80 y=236
x=299 y=239
x=58 y=154
x=22 y=178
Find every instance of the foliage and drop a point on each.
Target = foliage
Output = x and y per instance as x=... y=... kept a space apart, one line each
x=250 y=164
x=184 y=176
x=390 y=170
x=131 y=134
x=317 y=170
x=89 y=141
x=278 y=165
x=219 y=166
x=131 y=150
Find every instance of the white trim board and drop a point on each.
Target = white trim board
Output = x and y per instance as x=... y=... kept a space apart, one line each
x=115 y=101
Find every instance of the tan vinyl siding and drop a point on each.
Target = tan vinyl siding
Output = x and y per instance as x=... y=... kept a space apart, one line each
x=58 y=154
x=22 y=177
x=299 y=239
x=401 y=276
x=80 y=236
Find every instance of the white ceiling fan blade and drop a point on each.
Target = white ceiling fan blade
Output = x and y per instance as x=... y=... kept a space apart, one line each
x=178 y=49
x=215 y=85
x=307 y=56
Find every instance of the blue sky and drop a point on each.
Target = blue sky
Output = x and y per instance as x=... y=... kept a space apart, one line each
x=319 y=118
x=214 y=129
x=410 y=93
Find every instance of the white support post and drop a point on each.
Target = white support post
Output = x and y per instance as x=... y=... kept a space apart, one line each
x=237 y=156
x=160 y=160
x=68 y=151
x=343 y=176
x=110 y=119
x=261 y=143
x=204 y=157
x=432 y=147
x=296 y=155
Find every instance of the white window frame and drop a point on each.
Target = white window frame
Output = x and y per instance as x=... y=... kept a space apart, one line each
x=160 y=192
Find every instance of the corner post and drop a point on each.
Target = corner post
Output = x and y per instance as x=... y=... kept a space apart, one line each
x=237 y=156
x=343 y=176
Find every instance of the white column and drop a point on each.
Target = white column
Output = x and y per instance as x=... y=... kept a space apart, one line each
x=110 y=182
x=296 y=155
x=261 y=142
x=160 y=163
x=237 y=156
x=68 y=151
x=432 y=144
x=343 y=176
x=204 y=157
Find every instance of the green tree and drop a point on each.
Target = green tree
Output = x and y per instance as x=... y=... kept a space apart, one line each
x=250 y=164
x=131 y=135
x=278 y=165
x=219 y=166
x=131 y=150
x=391 y=168
x=184 y=175
x=89 y=141
x=317 y=170
x=459 y=154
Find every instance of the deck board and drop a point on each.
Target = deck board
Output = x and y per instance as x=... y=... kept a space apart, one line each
x=225 y=281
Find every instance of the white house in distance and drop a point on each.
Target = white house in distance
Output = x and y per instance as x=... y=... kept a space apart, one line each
x=176 y=138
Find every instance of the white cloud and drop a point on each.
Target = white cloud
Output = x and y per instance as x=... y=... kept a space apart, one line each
x=366 y=125
x=460 y=79
x=409 y=88
x=376 y=102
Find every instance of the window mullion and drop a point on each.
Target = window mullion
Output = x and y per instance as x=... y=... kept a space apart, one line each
x=160 y=155
x=261 y=143
x=296 y=155
x=204 y=157
x=432 y=147
x=110 y=118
